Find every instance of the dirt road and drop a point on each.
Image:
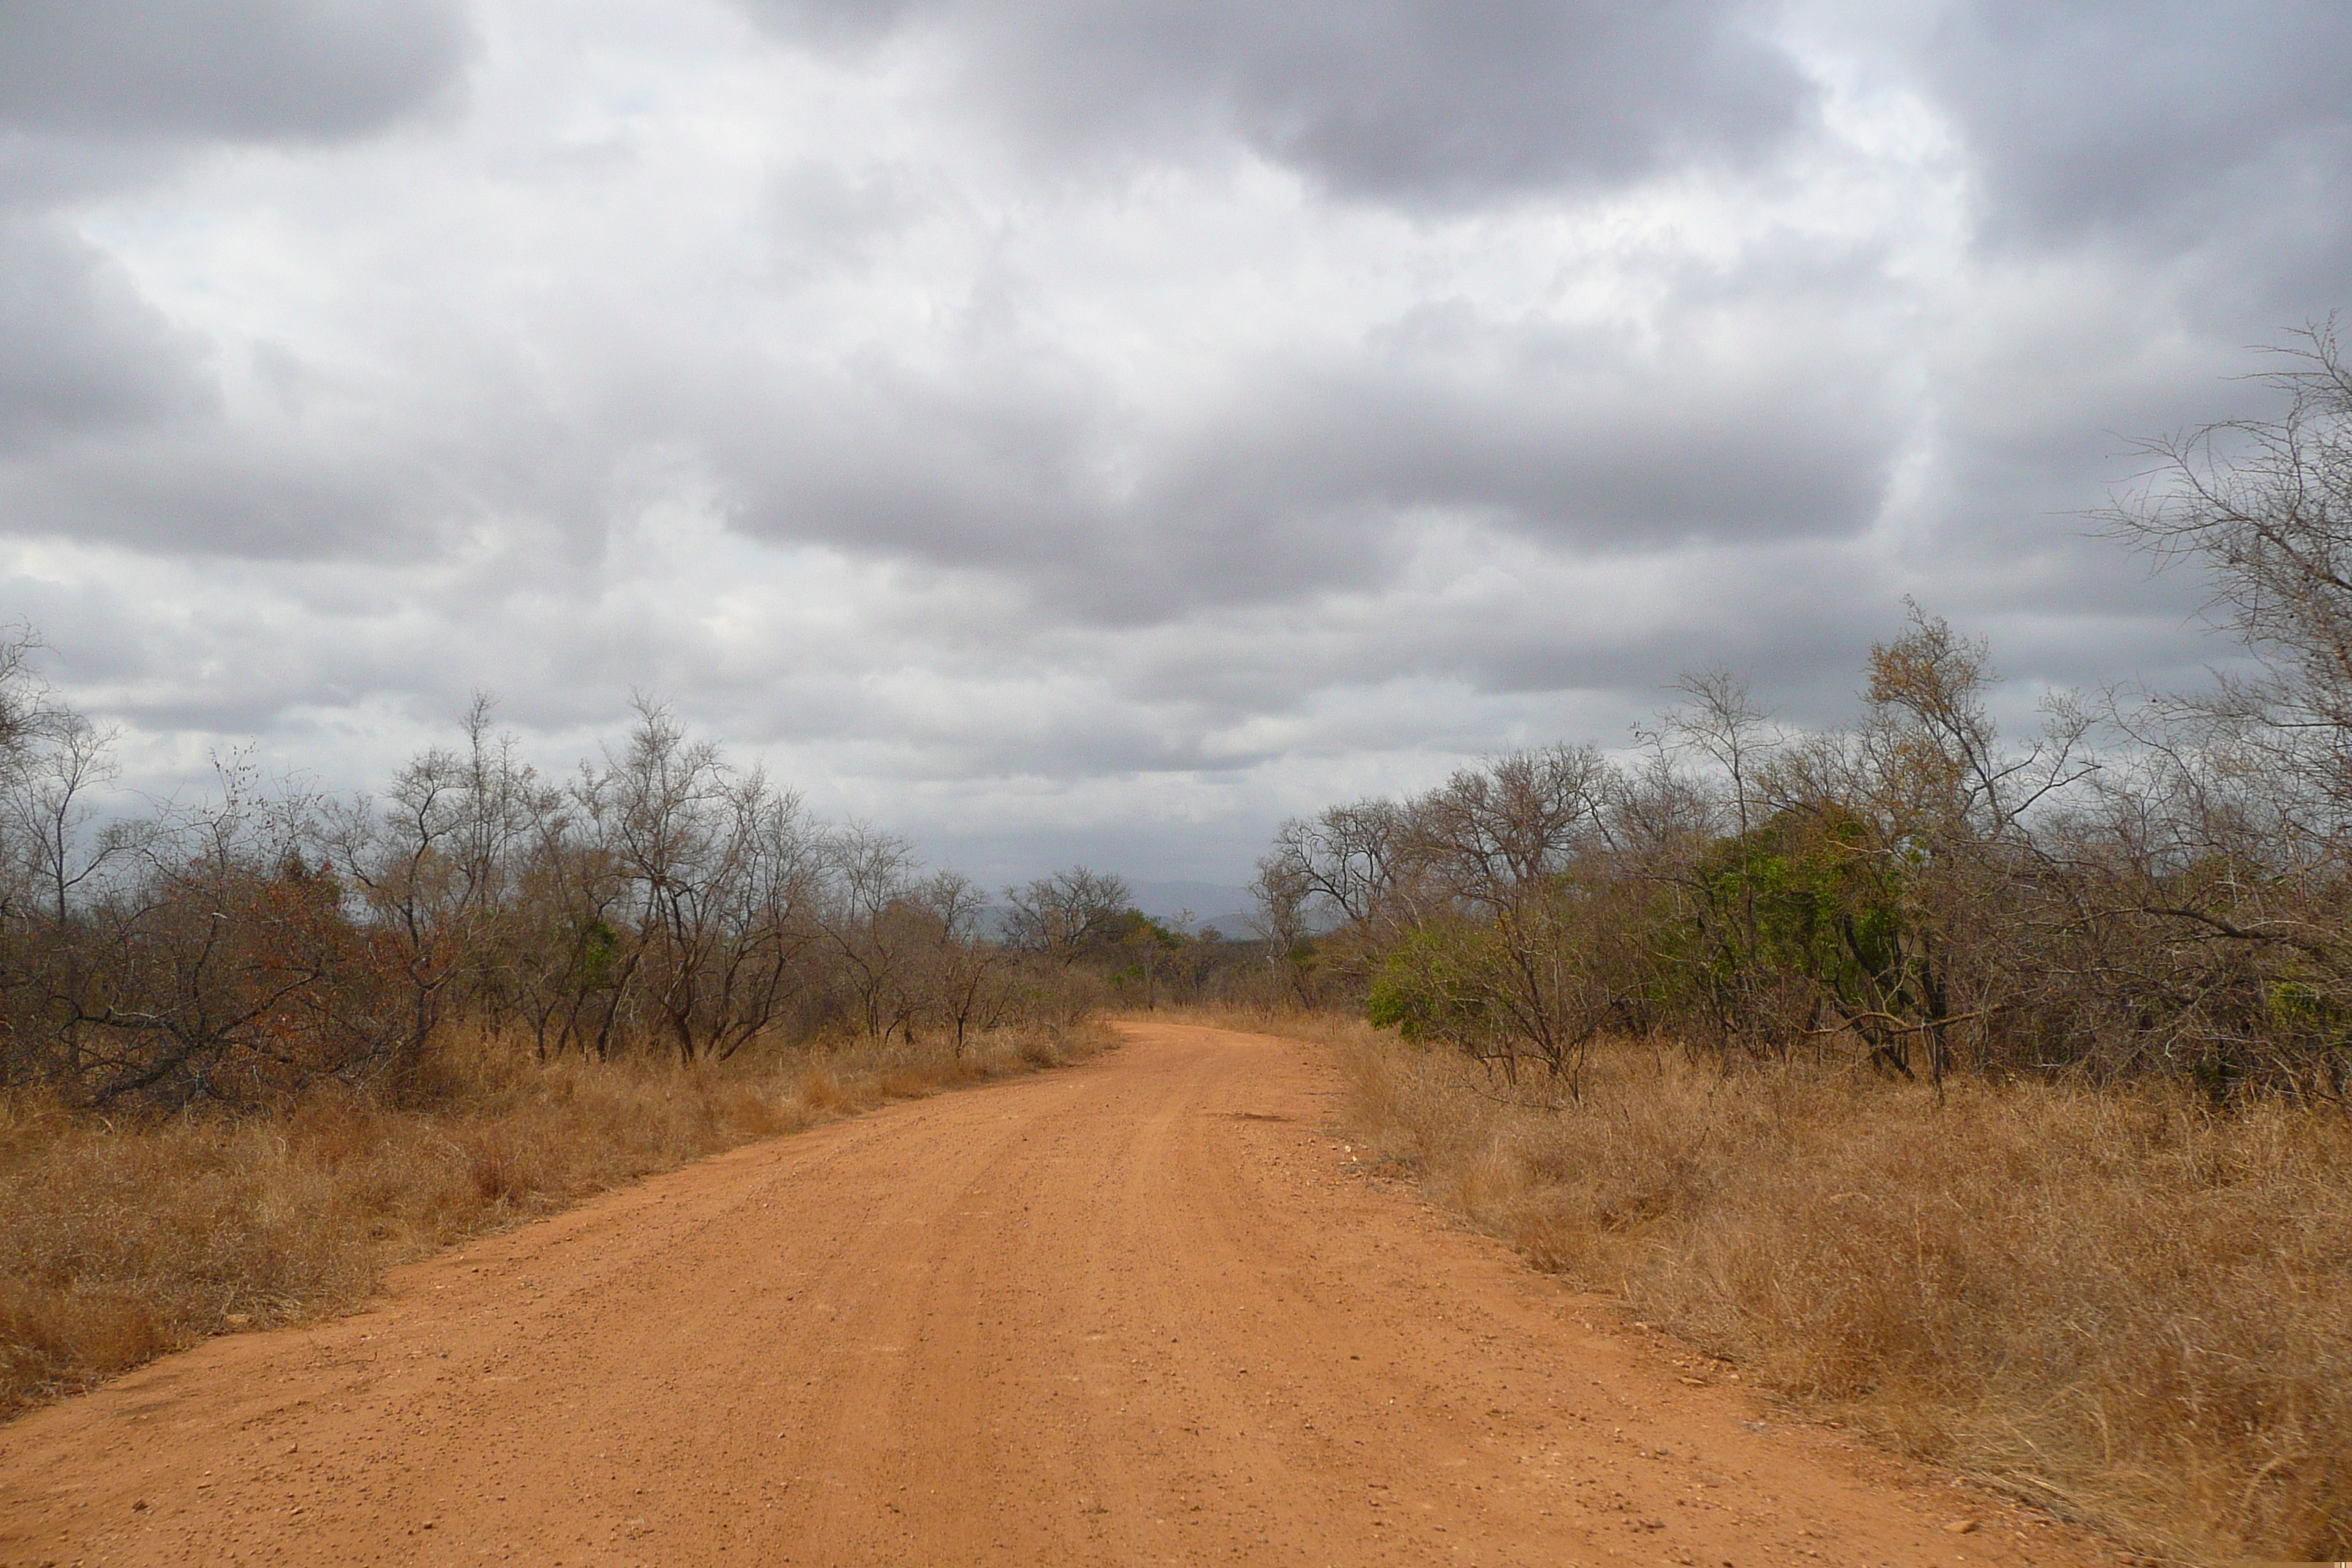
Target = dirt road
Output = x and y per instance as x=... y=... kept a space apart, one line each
x=1141 y=1311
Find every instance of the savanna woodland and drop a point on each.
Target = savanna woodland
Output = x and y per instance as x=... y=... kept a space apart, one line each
x=1990 y=1089
x=1988 y=1092
x=256 y=1047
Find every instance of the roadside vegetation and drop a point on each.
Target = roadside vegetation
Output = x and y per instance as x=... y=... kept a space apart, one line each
x=1991 y=1090
x=255 y=1047
x=2116 y=1303
x=124 y=1238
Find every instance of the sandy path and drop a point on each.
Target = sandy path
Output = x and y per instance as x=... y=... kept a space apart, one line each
x=1134 y=1312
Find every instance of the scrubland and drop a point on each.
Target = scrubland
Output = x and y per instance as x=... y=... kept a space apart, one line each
x=1986 y=1091
x=2124 y=1305
x=257 y=1047
x=123 y=1238
x=1991 y=1090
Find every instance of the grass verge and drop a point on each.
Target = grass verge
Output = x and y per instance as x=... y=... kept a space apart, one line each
x=121 y=1243
x=2124 y=1306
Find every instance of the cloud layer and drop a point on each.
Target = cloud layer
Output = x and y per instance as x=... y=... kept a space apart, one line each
x=1069 y=430
x=273 y=70
x=1413 y=101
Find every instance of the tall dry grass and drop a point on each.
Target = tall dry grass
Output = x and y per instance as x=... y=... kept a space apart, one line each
x=2122 y=1305
x=120 y=1242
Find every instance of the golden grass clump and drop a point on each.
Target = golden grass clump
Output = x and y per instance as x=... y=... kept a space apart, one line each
x=120 y=1242
x=2124 y=1305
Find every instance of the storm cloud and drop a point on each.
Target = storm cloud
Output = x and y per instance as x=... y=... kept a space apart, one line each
x=290 y=70
x=1419 y=101
x=82 y=350
x=2112 y=117
x=1058 y=429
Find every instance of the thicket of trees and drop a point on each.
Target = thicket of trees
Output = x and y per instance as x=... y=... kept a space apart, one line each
x=657 y=901
x=2152 y=885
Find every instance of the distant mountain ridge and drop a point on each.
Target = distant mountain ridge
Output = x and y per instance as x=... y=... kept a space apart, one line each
x=1217 y=904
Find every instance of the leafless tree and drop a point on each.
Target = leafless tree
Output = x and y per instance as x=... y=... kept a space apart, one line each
x=875 y=939
x=1496 y=834
x=1345 y=861
x=962 y=969
x=51 y=815
x=432 y=857
x=1062 y=915
x=223 y=963
x=2263 y=508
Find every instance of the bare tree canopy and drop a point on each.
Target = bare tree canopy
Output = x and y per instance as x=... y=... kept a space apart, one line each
x=658 y=901
x=2263 y=509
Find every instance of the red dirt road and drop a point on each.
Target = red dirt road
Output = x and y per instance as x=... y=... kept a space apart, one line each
x=1139 y=1311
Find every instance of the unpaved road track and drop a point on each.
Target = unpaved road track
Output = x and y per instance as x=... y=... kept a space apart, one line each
x=1139 y=1311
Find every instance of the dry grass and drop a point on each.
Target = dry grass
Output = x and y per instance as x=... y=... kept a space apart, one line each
x=1335 y=1029
x=118 y=1244
x=2122 y=1305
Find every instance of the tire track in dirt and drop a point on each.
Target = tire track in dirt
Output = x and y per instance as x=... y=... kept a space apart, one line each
x=1141 y=1311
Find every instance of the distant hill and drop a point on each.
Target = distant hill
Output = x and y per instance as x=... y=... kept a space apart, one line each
x=1216 y=904
x=1229 y=909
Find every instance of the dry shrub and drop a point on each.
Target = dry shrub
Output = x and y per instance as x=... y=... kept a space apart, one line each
x=119 y=1242
x=2124 y=1305
x=820 y=1092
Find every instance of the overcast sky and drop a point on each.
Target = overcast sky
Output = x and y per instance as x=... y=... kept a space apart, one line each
x=1063 y=430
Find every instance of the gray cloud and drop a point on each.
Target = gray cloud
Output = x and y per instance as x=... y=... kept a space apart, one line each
x=227 y=70
x=1311 y=473
x=823 y=388
x=216 y=491
x=826 y=219
x=40 y=171
x=2156 y=115
x=1416 y=102
x=1567 y=436
x=125 y=435
x=79 y=350
x=112 y=413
